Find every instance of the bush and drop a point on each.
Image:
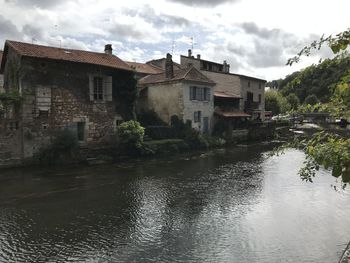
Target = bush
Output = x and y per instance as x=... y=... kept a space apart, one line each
x=160 y=132
x=311 y=100
x=131 y=136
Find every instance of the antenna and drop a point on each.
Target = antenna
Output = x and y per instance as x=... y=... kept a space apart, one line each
x=172 y=47
x=192 y=42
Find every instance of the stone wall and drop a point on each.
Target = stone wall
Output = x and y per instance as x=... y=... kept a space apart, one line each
x=56 y=96
x=10 y=142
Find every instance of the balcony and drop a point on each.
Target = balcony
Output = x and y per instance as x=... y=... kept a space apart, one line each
x=251 y=105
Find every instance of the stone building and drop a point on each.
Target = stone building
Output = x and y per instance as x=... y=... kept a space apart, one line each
x=184 y=92
x=1 y=77
x=62 y=89
x=249 y=90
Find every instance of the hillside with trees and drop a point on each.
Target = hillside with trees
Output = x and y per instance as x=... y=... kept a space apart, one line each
x=315 y=83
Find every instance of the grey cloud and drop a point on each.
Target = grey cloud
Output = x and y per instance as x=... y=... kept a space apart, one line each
x=33 y=31
x=203 y=3
x=127 y=31
x=36 y=3
x=252 y=28
x=158 y=20
x=267 y=54
x=8 y=30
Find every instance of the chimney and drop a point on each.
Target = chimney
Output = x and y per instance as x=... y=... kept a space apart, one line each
x=189 y=53
x=226 y=67
x=199 y=56
x=169 y=69
x=108 y=49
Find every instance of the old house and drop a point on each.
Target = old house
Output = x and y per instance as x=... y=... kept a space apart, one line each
x=183 y=92
x=246 y=93
x=85 y=92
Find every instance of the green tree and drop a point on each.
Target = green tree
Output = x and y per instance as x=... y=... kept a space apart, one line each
x=311 y=99
x=327 y=149
x=275 y=102
x=293 y=101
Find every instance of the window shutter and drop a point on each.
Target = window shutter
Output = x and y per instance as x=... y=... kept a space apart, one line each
x=200 y=94
x=208 y=94
x=107 y=88
x=91 y=87
x=192 y=93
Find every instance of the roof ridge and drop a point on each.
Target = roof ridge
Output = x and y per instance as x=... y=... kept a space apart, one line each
x=60 y=48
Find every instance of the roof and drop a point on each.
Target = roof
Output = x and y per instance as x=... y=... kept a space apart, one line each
x=220 y=72
x=144 y=68
x=224 y=94
x=160 y=63
x=189 y=74
x=231 y=114
x=64 y=54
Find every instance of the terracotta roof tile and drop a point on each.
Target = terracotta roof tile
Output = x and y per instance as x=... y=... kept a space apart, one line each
x=72 y=55
x=190 y=74
x=144 y=68
x=224 y=94
x=231 y=114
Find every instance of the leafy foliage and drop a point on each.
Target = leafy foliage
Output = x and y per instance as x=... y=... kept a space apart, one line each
x=131 y=135
x=275 y=102
x=328 y=150
x=337 y=43
x=319 y=80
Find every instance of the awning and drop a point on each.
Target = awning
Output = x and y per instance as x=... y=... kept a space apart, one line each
x=224 y=94
x=232 y=114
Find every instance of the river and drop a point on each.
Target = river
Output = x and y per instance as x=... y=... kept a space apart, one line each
x=232 y=205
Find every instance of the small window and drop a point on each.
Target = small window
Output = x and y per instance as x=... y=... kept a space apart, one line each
x=248 y=84
x=197 y=116
x=98 y=88
x=259 y=98
x=259 y=85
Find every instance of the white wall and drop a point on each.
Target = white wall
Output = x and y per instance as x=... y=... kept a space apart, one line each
x=190 y=106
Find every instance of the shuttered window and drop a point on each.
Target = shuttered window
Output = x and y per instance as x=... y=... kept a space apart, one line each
x=199 y=93
x=100 y=88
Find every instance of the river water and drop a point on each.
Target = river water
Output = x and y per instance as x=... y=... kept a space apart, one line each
x=233 y=205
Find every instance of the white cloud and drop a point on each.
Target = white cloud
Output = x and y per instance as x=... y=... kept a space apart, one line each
x=255 y=37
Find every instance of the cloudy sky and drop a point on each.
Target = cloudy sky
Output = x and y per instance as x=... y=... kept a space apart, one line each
x=255 y=36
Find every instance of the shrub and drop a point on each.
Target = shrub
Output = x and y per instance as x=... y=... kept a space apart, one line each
x=131 y=136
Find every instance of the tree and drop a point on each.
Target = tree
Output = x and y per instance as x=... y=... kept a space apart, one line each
x=323 y=148
x=275 y=102
x=293 y=101
x=311 y=100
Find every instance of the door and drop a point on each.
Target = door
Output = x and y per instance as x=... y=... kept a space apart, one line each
x=206 y=125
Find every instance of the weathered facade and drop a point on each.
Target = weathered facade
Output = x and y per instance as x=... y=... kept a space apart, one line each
x=186 y=93
x=249 y=89
x=1 y=77
x=63 y=89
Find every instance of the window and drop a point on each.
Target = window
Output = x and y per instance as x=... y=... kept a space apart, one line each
x=98 y=88
x=259 y=85
x=197 y=116
x=259 y=98
x=200 y=94
x=248 y=84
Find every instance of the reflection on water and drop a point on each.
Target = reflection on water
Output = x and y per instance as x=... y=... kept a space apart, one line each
x=224 y=206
